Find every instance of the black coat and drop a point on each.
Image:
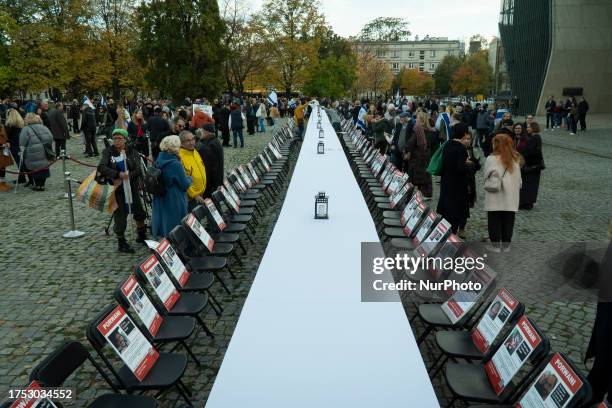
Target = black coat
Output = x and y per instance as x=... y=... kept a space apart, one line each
x=211 y=152
x=453 y=203
x=530 y=172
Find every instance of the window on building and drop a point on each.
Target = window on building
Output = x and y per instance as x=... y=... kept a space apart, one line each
x=421 y=67
x=411 y=54
x=432 y=54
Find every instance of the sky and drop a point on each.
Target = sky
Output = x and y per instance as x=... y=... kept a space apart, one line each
x=455 y=19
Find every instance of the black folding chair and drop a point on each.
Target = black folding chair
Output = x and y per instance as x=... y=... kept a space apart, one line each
x=163 y=376
x=173 y=329
x=55 y=369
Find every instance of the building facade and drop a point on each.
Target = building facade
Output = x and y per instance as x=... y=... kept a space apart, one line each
x=558 y=47
x=424 y=55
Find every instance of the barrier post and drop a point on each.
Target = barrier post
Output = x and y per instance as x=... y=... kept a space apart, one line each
x=73 y=233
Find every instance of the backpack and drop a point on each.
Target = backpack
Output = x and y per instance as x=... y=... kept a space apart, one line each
x=154 y=182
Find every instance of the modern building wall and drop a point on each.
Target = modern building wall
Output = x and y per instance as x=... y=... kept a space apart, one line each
x=424 y=55
x=581 y=52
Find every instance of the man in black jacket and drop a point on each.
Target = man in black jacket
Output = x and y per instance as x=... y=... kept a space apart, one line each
x=88 y=127
x=157 y=126
x=583 y=108
x=211 y=151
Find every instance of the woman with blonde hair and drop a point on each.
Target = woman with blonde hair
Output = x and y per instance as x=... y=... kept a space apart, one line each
x=502 y=176
x=37 y=141
x=14 y=124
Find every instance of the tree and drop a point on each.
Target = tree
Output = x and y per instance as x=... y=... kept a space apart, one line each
x=444 y=73
x=385 y=29
x=373 y=75
x=290 y=28
x=180 y=46
x=331 y=77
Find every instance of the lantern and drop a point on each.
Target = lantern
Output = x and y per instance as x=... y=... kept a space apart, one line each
x=321 y=206
x=320 y=147
x=321 y=134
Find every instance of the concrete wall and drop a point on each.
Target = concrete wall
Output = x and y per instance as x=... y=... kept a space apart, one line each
x=581 y=54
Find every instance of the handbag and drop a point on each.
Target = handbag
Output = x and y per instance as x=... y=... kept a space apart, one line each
x=435 y=164
x=494 y=183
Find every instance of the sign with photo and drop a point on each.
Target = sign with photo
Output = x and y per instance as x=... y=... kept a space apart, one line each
x=172 y=261
x=493 y=320
x=128 y=342
x=512 y=354
x=554 y=387
x=161 y=283
x=215 y=213
x=32 y=397
x=461 y=302
x=200 y=232
x=142 y=305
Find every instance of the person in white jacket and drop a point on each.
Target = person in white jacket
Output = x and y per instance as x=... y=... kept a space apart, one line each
x=502 y=205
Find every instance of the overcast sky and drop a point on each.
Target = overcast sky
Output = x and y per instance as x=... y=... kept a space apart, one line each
x=456 y=19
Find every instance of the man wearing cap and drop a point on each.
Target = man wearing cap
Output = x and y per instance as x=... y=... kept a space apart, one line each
x=194 y=168
x=211 y=152
x=121 y=165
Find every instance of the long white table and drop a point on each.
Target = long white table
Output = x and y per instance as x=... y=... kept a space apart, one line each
x=304 y=338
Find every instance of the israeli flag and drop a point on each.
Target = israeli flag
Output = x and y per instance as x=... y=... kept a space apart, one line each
x=87 y=102
x=272 y=98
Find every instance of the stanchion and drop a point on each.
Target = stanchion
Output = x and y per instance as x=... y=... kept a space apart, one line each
x=64 y=157
x=73 y=233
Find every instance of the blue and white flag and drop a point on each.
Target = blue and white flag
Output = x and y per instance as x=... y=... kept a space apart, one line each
x=87 y=102
x=272 y=98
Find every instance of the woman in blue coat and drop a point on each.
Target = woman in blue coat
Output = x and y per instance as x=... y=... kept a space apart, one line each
x=169 y=209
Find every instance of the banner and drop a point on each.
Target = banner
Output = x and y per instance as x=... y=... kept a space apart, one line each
x=494 y=319
x=33 y=397
x=128 y=342
x=554 y=388
x=142 y=305
x=172 y=261
x=215 y=214
x=200 y=232
x=162 y=285
x=512 y=354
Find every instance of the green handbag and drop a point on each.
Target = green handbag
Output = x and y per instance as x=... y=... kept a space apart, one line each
x=435 y=164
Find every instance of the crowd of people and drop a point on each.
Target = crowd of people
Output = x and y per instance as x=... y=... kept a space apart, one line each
x=466 y=138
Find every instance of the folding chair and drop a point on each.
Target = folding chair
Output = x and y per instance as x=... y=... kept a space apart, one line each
x=483 y=383
x=55 y=369
x=163 y=329
x=164 y=375
x=181 y=241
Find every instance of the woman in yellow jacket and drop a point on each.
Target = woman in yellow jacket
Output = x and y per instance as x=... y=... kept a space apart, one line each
x=194 y=167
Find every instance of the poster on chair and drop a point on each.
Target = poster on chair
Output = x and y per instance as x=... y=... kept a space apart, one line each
x=142 y=305
x=172 y=261
x=554 y=387
x=31 y=397
x=512 y=354
x=161 y=283
x=128 y=342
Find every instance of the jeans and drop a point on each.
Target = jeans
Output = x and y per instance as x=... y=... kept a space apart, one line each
x=238 y=133
x=262 y=125
x=501 y=226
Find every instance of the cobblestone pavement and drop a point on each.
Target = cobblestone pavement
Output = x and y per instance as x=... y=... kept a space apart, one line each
x=52 y=287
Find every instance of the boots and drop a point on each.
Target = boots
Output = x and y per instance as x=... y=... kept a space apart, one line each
x=141 y=235
x=123 y=246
